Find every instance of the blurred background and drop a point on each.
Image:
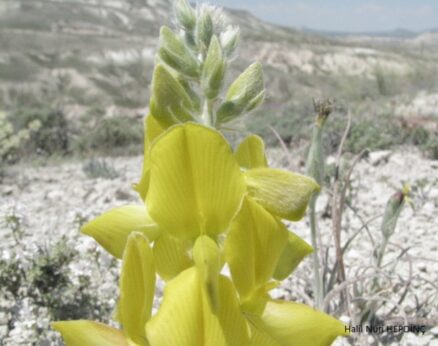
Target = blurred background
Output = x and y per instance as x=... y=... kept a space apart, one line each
x=74 y=88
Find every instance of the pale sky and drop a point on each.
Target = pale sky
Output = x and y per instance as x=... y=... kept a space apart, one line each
x=344 y=15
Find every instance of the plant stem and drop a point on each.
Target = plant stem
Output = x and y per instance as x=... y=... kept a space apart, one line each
x=318 y=289
x=208 y=113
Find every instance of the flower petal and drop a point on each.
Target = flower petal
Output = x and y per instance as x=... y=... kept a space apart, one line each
x=293 y=253
x=196 y=185
x=251 y=153
x=253 y=247
x=207 y=258
x=152 y=130
x=137 y=287
x=185 y=317
x=90 y=333
x=290 y=323
x=111 y=229
x=282 y=193
x=171 y=256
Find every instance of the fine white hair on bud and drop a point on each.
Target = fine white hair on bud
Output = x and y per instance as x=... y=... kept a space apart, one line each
x=229 y=39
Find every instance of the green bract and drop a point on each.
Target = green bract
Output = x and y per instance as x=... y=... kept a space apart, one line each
x=205 y=207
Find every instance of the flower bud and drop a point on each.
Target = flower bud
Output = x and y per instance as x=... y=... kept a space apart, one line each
x=185 y=14
x=204 y=27
x=213 y=71
x=229 y=39
x=245 y=94
x=393 y=209
x=176 y=54
x=170 y=103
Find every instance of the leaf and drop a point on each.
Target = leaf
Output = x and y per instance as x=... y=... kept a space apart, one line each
x=289 y=323
x=214 y=70
x=207 y=258
x=137 y=288
x=246 y=92
x=293 y=253
x=185 y=317
x=251 y=153
x=176 y=54
x=282 y=193
x=90 y=333
x=170 y=104
x=171 y=256
x=253 y=248
x=111 y=229
x=196 y=185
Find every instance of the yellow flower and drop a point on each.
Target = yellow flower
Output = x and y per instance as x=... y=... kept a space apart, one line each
x=205 y=206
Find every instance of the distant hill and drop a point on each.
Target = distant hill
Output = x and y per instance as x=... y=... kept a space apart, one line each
x=84 y=54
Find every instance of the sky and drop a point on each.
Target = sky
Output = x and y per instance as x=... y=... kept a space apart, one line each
x=344 y=15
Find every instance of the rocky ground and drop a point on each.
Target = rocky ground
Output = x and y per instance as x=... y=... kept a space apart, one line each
x=53 y=200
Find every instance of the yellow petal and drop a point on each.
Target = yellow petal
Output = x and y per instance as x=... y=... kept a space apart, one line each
x=253 y=247
x=111 y=229
x=185 y=317
x=137 y=287
x=207 y=258
x=290 y=323
x=251 y=153
x=152 y=130
x=171 y=256
x=282 y=193
x=293 y=253
x=90 y=333
x=196 y=185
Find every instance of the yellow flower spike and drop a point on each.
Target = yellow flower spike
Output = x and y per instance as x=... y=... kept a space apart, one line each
x=89 y=333
x=152 y=130
x=286 y=323
x=282 y=193
x=250 y=153
x=196 y=185
x=111 y=229
x=171 y=255
x=185 y=317
x=294 y=252
x=137 y=288
x=207 y=258
x=253 y=248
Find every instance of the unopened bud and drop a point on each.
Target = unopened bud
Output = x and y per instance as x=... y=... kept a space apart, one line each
x=213 y=70
x=204 y=27
x=245 y=94
x=229 y=39
x=393 y=209
x=185 y=14
x=176 y=54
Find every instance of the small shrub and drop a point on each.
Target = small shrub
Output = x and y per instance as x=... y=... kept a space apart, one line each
x=96 y=168
x=52 y=137
x=109 y=134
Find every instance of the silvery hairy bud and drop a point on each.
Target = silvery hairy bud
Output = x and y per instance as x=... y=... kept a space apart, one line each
x=176 y=54
x=185 y=14
x=245 y=94
x=204 y=27
x=213 y=70
x=229 y=39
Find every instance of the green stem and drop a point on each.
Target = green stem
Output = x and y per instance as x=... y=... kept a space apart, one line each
x=208 y=113
x=317 y=278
